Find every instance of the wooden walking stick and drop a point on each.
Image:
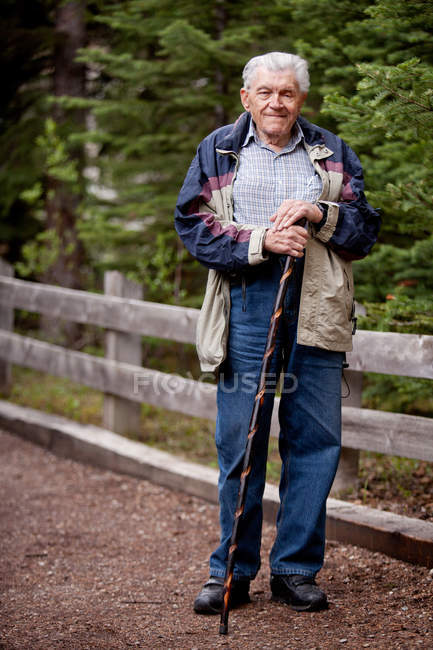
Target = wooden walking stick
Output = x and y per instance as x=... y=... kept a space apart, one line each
x=254 y=423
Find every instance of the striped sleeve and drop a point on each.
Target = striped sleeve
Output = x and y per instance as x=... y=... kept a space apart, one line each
x=352 y=224
x=200 y=222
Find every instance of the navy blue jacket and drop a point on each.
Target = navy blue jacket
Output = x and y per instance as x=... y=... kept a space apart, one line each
x=207 y=229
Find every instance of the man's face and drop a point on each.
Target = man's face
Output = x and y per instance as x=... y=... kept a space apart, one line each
x=274 y=101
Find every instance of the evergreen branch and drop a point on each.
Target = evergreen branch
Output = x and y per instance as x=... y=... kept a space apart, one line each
x=404 y=98
x=421 y=198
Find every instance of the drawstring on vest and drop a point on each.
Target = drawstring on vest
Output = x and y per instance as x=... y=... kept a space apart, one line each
x=345 y=365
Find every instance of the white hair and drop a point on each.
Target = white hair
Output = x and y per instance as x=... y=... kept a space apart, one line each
x=277 y=62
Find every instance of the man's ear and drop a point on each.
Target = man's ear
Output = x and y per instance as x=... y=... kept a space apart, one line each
x=244 y=99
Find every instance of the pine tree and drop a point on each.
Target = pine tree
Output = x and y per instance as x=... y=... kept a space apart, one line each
x=39 y=210
x=170 y=76
x=27 y=39
x=389 y=121
x=61 y=198
x=374 y=69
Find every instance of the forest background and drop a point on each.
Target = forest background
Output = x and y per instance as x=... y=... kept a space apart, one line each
x=104 y=103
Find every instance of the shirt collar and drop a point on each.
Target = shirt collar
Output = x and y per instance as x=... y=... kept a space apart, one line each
x=295 y=138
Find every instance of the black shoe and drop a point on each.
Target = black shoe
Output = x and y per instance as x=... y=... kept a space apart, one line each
x=210 y=598
x=300 y=592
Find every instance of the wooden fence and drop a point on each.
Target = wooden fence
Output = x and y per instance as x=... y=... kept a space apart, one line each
x=126 y=383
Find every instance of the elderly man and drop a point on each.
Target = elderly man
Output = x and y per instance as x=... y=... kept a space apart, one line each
x=238 y=211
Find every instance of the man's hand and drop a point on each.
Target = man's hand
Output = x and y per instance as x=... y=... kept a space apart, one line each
x=289 y=241
x=291 y=210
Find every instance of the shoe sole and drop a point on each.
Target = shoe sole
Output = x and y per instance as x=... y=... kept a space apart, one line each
x=208 y=612
x=213 y=612
x=300 y=608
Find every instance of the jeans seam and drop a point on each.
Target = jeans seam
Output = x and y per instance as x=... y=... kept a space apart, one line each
x=236 y=577
x=294 y=572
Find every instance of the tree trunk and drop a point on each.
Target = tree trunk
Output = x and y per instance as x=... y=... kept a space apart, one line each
x=221 y=85
x=62 y=202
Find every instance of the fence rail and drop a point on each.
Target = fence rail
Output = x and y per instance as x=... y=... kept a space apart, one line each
x=112 y=312
x=383 y=352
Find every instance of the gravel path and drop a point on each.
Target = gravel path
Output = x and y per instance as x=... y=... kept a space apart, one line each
x=91 y=559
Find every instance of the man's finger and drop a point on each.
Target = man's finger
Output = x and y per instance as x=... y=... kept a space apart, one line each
x=290 y=218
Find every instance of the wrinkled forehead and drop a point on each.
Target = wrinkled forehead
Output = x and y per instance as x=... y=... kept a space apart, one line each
x=274 y=79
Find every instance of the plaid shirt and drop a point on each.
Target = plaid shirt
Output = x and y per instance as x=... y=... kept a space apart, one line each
x=266 y=178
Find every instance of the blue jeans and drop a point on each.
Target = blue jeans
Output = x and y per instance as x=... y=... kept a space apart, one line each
x=310 y=430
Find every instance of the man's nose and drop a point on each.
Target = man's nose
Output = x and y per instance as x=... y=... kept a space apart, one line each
x=275 y=100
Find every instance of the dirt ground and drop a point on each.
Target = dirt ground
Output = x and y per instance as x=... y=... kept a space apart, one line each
x=91 y=559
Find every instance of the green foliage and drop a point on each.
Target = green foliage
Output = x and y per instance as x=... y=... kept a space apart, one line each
x=170 y=75
x=39 y=254
x=391 y=119
x=375 y=73
x=388 y=118
x=56 y=160
x=26 y=40
x=162 y=75
x=159 y=269
x=395 y=284
x=173 y=432
x=398 y=394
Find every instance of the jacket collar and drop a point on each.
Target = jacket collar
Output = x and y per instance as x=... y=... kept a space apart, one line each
x=312 y=134
x=234 y=140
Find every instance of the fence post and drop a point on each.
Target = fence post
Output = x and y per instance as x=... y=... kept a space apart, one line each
x=6 y=323
x=347 y=473
x=122 y=415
